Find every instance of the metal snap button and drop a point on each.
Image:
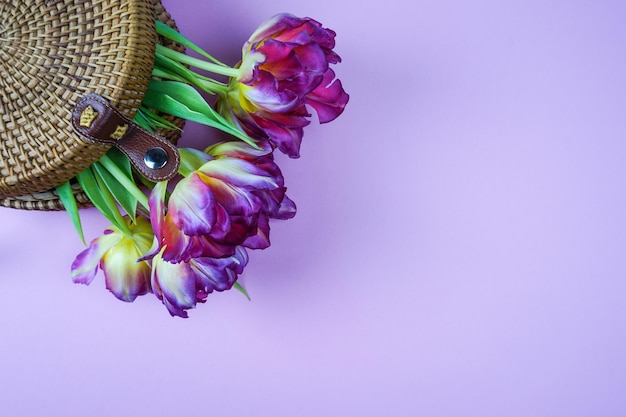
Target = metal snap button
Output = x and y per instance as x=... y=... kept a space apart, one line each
x=155 y=158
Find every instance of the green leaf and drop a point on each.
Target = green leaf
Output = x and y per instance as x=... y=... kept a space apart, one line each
x=142 y=120
x=121 y=161
x=124 y=176
x=182 y=100
x=173 y=69
x=68 y=199
x=111 y=202
x=171 y=33
x=242 y=290
x=156 y=120
x=118 y=191
x=101 y=198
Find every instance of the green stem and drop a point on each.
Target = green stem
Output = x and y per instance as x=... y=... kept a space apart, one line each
x=166 y=75
x=198 y=63
x=213 y=87
x=173 y=34
x=125 y=181
x=206 y=84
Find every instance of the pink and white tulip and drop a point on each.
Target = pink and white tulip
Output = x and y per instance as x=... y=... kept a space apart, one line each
x=117 y=254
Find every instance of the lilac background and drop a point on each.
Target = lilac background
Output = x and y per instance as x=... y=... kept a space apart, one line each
x=459 y=248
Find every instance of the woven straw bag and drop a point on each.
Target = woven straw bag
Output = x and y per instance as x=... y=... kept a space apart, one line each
x=53 y=53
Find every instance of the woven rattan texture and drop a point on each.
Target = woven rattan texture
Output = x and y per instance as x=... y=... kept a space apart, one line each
x=103 y=47
x=51 y=53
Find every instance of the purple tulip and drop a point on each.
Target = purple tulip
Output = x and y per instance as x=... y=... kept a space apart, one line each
x=180 y=286
x=285 y=67
x=226 y=202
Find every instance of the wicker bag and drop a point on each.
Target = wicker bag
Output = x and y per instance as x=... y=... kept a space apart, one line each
x=52 y=54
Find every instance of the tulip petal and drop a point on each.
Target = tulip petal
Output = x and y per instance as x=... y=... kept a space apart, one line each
x=222 y=223
x=124 y=276
x=266 y=96
x=325 y=38
x=239 y=149
x=192 y=206
x=85 y=266
x=248 y=67
x=274 y=25
x=177 y=246
x=213 y=274
x=234 y=200
x=236 y=172
x=180 y=286
x=156 y=202
x=261 y=239
x=287 y=209
x=174 y=285
x=312 y=58
x=329 y=99
x=191 y=159
x=277 y=52
x=287 y=139
x=241 y=227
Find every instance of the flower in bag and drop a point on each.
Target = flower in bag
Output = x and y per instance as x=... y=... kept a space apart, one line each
x=285 y=67
x=213 y=214
x=202 y=223
x=224 y=203
x=117 y=253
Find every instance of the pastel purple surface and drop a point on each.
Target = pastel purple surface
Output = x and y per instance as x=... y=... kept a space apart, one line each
x=459 y=247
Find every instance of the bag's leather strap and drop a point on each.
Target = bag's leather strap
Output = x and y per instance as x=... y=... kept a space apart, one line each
x=152 y=156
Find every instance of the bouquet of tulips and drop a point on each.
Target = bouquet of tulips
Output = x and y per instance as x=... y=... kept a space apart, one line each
x=185 y=238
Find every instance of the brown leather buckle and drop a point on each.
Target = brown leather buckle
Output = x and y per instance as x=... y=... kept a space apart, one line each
x=94 y=119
